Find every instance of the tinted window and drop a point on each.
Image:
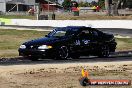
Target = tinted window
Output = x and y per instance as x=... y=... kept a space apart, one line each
x=94 y=33
x=84 y=34
x=86 y=31
x=60 y=32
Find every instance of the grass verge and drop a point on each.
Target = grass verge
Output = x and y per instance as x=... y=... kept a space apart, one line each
x=71 y=17
x=10 y=40
x=124 y=44
x=17 y=17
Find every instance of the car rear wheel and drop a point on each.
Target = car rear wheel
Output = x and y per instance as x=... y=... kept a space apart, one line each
x=104 y=51
x=63 y=52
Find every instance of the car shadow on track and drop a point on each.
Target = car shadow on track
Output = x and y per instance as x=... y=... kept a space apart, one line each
x=91 y=59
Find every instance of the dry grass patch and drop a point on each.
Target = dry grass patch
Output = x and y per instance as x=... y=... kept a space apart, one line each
x=124 y=44
x=92 y=17
x=70 y=16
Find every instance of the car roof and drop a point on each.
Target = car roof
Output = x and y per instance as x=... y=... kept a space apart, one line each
x=78 y=27
x=74 y=28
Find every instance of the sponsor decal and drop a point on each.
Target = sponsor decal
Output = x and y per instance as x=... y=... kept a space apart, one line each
x=77 y=42
x=85 y=80
x=86 y=41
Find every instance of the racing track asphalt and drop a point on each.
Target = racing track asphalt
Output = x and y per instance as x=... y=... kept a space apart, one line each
x=119 y=31
x=24 y=61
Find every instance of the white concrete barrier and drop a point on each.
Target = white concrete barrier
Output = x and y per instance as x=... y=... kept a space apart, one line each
x=63 y=23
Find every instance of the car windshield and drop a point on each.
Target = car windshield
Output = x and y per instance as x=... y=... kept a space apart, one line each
x=61 y=32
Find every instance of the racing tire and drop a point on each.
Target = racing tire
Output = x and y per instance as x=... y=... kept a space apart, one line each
x=63 y=53
x=104 y=51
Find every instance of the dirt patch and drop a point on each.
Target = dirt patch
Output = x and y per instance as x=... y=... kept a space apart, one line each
x=62 y=75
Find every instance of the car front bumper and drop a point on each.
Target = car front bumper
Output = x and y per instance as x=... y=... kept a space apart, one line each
x=47 y=53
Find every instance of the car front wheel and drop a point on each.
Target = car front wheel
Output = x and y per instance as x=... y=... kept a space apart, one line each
x=63 y=52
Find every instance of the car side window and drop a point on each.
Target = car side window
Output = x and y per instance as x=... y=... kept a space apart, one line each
x=85 y=34
x=94 y=33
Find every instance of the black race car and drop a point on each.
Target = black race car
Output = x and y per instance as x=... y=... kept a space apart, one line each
x=70 y=42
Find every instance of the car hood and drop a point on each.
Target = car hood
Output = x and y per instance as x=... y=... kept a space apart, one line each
x=42 y=41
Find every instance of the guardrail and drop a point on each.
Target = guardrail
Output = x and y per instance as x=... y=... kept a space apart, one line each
x=126 y=24
x=63 y=23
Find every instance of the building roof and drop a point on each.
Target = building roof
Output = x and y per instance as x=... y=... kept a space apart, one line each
x=16 y=1
x=52 y=3
x=26 y=2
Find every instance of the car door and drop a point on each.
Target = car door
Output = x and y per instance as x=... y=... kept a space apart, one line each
x=84 y=39
x=94 y=41
x=75 y=42
x=80 y=42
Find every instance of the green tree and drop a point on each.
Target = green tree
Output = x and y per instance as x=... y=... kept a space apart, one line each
x=66 y=4
x=84 y=4
x=93 y=3
x=101 y=3
x=81 y=4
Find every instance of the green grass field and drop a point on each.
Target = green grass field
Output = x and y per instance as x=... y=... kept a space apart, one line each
x=10 y=40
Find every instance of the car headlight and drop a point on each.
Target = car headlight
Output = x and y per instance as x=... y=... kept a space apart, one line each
x=45 y=47
x=22 y=47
